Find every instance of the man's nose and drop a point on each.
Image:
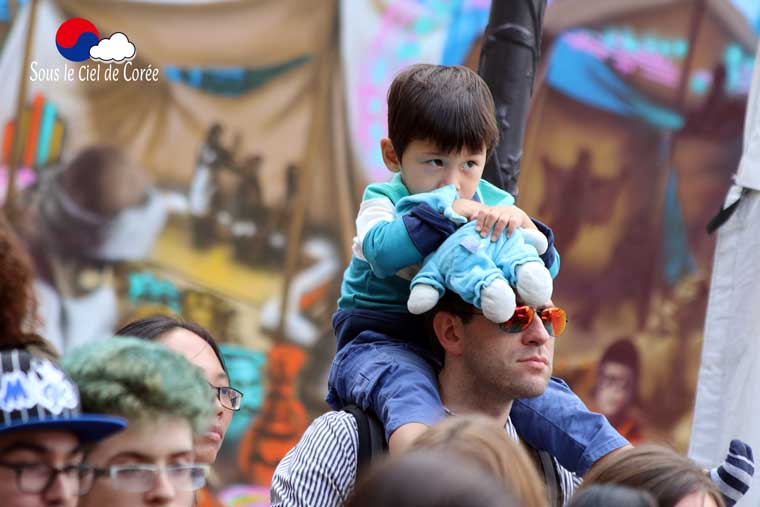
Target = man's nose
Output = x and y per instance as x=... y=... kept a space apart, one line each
x=536 y=333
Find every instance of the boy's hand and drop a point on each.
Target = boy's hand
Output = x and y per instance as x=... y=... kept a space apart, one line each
x=495 y=219
x=467 y=208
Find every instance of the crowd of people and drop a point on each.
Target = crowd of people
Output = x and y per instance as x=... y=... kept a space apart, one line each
x=450 y=406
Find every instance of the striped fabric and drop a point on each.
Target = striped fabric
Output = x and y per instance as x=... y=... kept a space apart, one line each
x=320 y=471
x=734 y=475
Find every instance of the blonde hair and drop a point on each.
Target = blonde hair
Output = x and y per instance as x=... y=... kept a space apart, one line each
x=480 y=441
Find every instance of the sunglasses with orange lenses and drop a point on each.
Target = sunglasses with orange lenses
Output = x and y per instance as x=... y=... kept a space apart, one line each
x=554 y=320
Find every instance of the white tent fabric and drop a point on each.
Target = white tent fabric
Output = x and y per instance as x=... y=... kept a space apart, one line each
x=727 y=403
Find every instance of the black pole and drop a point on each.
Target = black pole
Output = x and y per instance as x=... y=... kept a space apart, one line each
x=508 y=64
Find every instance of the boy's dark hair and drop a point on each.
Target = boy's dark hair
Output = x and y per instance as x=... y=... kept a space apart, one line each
x=450 y=106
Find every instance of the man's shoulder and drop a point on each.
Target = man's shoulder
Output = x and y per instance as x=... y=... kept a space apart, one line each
x=320 y=470
x=339 y=421
x=330 y=430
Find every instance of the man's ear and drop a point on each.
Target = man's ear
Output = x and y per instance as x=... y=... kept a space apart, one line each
x=449 y=330
x=390 y=157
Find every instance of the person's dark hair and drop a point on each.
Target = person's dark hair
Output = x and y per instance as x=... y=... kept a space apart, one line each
x=452 y=303
x=151 y=328
x=661 y=471
x=427 y=479
x=450 y=106
x=604 y=495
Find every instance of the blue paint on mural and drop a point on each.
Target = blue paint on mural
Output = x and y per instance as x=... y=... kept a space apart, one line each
x=245 y=367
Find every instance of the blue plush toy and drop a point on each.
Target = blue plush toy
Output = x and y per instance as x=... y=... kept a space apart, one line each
x=481 y=271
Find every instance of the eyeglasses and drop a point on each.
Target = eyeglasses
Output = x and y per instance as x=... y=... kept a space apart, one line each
x=142 y=478
x=229 y=397
x=35 y=478
x=554 y=320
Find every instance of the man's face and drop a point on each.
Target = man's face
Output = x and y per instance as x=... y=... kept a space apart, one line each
x=508 y=365
x=161 y=443
x=425 y=167
x=38 y=450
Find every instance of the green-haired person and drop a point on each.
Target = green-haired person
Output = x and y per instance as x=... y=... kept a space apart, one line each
x=165 y=401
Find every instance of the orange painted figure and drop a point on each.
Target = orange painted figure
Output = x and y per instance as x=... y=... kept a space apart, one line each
x=282 y=420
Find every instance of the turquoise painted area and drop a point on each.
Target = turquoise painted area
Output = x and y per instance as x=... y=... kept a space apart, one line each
x=246 y=369
x=231 y=81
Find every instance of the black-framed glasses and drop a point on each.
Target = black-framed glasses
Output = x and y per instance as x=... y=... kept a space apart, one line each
x=229 y=397
x=139 y=478
x=35 y=478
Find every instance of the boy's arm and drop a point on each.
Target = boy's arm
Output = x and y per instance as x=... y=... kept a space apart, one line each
x=391 y=237
x=559 y=422
x=551 y=256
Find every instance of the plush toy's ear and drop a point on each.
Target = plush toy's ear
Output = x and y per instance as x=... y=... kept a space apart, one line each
x=535 y=238
x=422 y=298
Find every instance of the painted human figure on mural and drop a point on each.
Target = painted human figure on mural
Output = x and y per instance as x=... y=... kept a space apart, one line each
x=590 y=202
x=249 y=214
x=616 y=394
x=84 y=219
x=204 y=195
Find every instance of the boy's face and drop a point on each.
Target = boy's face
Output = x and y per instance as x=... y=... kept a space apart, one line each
x=425 y=167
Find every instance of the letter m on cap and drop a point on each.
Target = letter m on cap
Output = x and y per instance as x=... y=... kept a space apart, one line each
x=13 y=392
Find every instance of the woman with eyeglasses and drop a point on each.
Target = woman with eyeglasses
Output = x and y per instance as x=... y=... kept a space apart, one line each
x=165 y=400
x=197 y=345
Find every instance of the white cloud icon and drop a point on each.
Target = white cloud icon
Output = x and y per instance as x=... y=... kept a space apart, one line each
x=116 y=48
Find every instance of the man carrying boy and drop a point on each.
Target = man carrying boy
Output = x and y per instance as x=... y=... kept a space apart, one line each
x=486 y=368
x=442 y=127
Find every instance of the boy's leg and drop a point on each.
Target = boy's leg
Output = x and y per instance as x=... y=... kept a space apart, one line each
x=390 y=378
x=557 y=421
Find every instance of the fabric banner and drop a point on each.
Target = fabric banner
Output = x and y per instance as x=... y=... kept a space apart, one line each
x=727 y=405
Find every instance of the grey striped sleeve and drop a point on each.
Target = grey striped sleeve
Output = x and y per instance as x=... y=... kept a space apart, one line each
x=320 y=470
x=568 y=481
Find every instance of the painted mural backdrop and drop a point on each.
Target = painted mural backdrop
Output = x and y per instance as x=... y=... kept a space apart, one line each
x=633 y=135
x=625 y=173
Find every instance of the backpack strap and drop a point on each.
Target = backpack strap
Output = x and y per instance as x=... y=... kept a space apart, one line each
x=371 y=437
x=545 y=466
